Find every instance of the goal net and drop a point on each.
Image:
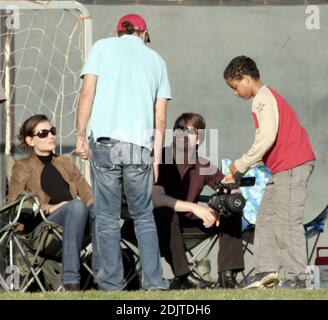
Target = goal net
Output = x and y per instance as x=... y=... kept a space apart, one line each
x=43 y=48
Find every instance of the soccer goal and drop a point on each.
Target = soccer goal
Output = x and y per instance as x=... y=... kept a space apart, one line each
x=43 y=48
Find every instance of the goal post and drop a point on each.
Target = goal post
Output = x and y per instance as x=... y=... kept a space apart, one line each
x=44 y=45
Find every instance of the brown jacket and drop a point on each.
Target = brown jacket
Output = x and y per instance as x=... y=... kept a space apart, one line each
x=26 y=177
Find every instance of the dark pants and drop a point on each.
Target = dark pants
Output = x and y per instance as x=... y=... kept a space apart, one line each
x=171 y=225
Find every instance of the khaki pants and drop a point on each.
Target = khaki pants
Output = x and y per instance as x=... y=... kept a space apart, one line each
x=279 y=233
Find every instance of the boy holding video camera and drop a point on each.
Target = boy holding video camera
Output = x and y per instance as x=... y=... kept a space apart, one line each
x=284 y=147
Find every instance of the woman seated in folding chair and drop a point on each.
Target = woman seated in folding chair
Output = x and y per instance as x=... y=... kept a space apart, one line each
x=58 y=183
x=182 y=177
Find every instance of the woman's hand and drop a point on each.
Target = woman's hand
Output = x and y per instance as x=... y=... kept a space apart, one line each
x=57 y=206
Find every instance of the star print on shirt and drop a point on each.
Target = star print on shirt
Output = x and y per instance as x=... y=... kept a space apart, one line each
x=260 y=106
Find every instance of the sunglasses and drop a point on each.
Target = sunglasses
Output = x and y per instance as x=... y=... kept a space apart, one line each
x=45 y=132
x=186 y=129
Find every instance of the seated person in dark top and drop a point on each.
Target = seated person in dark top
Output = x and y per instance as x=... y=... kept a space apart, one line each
x=58 y=183
x=175 y=197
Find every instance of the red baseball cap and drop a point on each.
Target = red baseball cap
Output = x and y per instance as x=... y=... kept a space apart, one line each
x=137 y=21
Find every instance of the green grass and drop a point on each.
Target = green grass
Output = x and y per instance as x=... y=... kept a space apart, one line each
x=237 y=294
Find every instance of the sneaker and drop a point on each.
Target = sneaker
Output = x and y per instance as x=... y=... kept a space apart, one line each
x=295 y=283
x=264 y=280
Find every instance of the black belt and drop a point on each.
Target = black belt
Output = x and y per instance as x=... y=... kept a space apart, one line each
x=104 y=139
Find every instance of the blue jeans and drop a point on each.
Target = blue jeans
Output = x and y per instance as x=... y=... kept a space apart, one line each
x=73 y=217
x=112 y=173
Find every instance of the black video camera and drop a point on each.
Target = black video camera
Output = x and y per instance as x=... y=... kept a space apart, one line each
x=226 y=203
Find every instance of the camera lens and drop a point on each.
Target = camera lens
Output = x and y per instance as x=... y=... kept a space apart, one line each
x=236 y=202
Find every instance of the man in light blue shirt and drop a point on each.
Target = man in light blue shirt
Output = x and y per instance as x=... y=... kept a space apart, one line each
x=125 y=87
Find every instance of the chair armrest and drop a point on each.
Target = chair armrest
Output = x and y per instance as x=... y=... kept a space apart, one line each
x=203 y=198
x=322 y=217
x=309 y=233
x=18 y=202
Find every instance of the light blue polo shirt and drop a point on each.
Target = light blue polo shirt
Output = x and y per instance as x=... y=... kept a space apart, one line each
x=131 y=77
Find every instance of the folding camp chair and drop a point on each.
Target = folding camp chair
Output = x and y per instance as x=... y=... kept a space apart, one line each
x=199 y=246
x=314 y=228
x=34 y=257
x=13 y=244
